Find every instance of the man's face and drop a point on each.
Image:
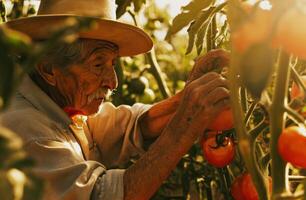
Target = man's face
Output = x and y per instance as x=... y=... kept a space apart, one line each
x=85 y=86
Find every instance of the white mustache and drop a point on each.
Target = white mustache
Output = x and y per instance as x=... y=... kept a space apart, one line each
x=99 y=94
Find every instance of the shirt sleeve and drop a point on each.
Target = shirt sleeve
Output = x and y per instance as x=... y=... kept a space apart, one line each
x=69 y=177
x=117 y=133
x=109 y=186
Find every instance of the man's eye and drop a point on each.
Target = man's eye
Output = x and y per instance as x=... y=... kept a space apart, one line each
x=98 y=65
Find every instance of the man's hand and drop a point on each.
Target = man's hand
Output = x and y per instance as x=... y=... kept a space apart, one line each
x=156 y=119
x=203 y=99
x=183 y=119
x=214 y=60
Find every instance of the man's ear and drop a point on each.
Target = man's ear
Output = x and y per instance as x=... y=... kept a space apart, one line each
x=47 y=73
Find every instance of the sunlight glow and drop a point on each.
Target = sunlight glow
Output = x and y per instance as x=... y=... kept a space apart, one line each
x=18 y=179
x=302 y=130
x=173 y=6
x=265 y=5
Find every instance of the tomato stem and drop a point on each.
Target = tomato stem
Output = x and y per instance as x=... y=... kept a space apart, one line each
x=154 y=66
x=246 y=142
x=297 y=78
x=249 y=112
x=294 y=115
x=224 y=183
x=258 y=129
x=277 y=123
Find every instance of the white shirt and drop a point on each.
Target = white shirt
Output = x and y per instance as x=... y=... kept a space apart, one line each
x=112 y=137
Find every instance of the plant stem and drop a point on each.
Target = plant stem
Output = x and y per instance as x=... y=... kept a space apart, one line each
x=258 y=129
x=156 y=72
x=224 y=184
x=294 y=115
x=297 y=78
x=249 y=112
x=277 y=123
x=244 y=99
x=246 y=144
x=154 y=66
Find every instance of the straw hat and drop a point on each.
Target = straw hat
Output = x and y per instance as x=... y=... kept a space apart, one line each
x=53 y=13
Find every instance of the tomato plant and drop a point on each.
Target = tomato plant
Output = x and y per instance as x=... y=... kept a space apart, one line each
x=218 y=152
x=292 y=144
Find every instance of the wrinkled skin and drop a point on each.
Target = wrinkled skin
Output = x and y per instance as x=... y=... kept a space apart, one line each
x=76 y=83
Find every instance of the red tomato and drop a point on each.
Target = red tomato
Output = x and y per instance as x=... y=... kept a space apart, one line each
x=291 y=30
x=218 y=156
x=244 y=189
x=236 y=189
x=244 y=36
x=296 y=91
x=224 y=121
x=248 y=189
x=292 y=144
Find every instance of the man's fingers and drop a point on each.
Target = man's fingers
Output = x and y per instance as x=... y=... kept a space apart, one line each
x=214 y=59
x=204 y=79
x=217 y=95
x=221 y=105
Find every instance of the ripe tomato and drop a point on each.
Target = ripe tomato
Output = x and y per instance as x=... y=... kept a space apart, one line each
x=243 y=188
x=224 y=121
x=244 y=36
x=290 y=33
x=236 y=189
x=218 y=156
x=248 y=189
x=296 y=91
x=292 y=144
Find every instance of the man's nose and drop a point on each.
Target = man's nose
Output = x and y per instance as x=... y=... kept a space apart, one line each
x=110 y=79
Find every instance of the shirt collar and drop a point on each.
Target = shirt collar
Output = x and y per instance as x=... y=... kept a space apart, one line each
x=41 y=101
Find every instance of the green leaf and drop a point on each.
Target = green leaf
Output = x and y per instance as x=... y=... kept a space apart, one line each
x=200 y=37
x=122 y=6
x=190 y=12
x=138 y=4
x=202 y=19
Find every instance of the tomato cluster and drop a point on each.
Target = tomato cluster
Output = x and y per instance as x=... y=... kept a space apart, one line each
x=218 y=152
x=244 y=189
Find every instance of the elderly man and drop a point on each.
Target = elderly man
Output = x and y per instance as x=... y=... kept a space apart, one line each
x=77 y=140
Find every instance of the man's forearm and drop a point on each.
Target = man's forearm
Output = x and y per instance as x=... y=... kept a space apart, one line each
x=143 y=178
x=155 y=120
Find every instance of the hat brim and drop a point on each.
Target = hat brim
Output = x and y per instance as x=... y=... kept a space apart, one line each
x=130 y=39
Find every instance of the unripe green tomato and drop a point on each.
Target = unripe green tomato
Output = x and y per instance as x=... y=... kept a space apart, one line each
x=138 y=85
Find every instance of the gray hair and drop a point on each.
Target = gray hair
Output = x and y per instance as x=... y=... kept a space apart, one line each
x=74 y=53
